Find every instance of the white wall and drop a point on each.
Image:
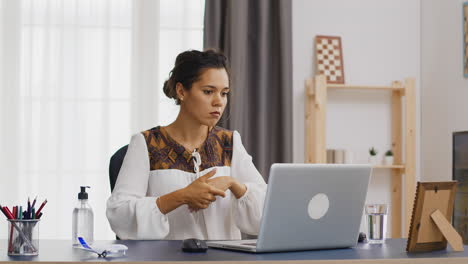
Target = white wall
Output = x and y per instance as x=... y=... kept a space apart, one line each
x=381 y=43
x=445 y=94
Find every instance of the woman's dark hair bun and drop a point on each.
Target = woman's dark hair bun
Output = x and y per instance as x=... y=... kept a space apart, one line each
x=188 y=67
x=170 y=92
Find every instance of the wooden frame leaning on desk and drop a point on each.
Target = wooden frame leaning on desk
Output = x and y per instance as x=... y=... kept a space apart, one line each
x=430 y=227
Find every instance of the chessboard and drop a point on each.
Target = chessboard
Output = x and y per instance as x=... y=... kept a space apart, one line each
x=329 y=58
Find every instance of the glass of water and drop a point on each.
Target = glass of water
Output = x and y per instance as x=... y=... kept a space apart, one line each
x=376 y=215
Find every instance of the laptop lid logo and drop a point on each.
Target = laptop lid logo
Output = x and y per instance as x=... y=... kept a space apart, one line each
x=318 y=206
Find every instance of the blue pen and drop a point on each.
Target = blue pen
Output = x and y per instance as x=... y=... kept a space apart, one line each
x=34 y=202
x=28 y=214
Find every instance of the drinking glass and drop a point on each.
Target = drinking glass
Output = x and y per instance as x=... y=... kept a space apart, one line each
x=376 y=215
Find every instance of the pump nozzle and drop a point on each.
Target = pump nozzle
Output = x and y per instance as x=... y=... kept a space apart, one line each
x=83 y=195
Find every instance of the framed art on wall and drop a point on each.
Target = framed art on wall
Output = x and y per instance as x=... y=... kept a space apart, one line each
x=329 y=58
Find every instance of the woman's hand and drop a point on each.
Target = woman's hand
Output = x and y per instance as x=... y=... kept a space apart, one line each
x=199 y=194
x=223 y=182
x=227 y=182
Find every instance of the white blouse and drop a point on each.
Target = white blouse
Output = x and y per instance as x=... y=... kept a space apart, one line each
x=133 y=214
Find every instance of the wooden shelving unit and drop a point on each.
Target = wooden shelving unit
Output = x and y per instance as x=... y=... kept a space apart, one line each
x=403 y=110
x=396 y=167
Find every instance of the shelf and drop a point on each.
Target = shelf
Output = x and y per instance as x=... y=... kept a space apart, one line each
x=365 y=87
x=396 y=86
x=388 y=166
x=403 y=129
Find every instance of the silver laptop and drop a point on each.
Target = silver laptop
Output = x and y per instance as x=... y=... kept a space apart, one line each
x=309 y=206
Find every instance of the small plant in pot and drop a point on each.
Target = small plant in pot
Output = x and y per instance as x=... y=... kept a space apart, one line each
x=373 y=156
x=388 y=159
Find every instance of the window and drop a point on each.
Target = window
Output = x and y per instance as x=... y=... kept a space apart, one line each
x=181 y=29
x=74 y=96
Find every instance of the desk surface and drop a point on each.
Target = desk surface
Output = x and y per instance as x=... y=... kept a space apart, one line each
x=393 y=251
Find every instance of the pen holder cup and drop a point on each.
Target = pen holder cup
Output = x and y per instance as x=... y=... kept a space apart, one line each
x=23 y=237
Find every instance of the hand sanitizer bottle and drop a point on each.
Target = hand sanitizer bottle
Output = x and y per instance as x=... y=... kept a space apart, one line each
x=83 y=219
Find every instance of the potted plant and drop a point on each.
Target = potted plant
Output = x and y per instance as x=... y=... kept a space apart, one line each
x=388 y=159
x=373 y=156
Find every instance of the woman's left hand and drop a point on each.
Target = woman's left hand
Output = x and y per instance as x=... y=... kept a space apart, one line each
x=223 y=182
x=226 y=182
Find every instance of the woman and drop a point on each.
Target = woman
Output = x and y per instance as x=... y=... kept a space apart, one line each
x=190 y=178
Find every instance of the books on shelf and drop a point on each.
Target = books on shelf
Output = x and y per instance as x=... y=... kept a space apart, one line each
x=339 y=156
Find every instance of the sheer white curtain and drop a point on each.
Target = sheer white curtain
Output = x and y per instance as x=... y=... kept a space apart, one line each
x=181 y=28
x=77 y=78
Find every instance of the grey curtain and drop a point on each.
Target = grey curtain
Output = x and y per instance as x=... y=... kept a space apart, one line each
x=255 y=35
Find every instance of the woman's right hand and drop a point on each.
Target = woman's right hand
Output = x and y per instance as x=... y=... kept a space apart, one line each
x=200 y=194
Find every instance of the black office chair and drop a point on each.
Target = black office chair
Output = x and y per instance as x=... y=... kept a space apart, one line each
x=114 y=167
x=115 y=164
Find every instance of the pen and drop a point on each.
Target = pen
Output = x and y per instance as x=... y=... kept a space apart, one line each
x=10 y=245
x=40 y=208
x=34 y=202
x=20 y=212
x=7 y=212
x=28 y=214
x=1 y=209
x=15 y=211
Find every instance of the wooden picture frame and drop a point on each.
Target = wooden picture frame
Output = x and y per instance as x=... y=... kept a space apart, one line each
x=431 y=219
x=465 y=38
x=329 y=58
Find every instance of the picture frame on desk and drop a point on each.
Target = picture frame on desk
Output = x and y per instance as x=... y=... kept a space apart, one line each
x=430 y=227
